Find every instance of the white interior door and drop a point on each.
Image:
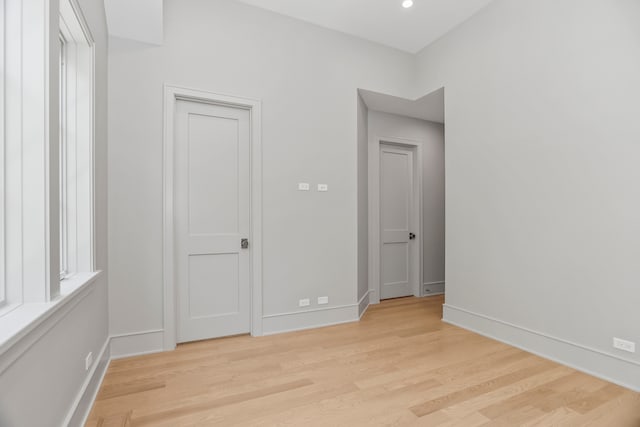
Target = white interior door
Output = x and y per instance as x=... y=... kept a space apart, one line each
x=212 y=215
x=397 y=269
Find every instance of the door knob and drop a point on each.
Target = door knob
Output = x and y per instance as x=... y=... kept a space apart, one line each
x=244 y=243
x=412 y=236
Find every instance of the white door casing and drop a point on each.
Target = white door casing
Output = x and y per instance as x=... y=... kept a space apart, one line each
x=203 y=224
x=212 y=215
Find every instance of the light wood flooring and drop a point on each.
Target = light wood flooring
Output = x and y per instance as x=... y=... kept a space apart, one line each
x=399 y=366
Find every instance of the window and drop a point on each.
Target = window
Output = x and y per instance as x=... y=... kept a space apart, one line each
x=46 y=159
x=75 y=144
x=62 y=164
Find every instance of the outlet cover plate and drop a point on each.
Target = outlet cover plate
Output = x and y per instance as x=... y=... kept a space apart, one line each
x=88 y=361
x=624 y=345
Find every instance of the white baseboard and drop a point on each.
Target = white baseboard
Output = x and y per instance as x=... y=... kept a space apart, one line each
x=432 y=288
x=363 y=304
x=137 y=343
x=84 y=401
x=310 y=319
x=374 y=298
x=608 y=366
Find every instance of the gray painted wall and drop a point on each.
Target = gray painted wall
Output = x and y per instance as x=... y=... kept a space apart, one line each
x=40 y=387
x=432 y=137
x=307 y=79
x=363 y=198
x=542 y=170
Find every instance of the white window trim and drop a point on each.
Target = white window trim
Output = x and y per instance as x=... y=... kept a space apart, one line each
x=3 y=290
x=78 y=141
x=62 y=164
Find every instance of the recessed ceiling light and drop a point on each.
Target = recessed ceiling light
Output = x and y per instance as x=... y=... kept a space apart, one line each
x=407 y=4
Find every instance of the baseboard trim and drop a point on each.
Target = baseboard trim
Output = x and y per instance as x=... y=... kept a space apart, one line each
x=137 y=343
x=374 y=298
x=598 y=363
x=430 y=289
x=84 y=401
x=363 y=304
x=311 y=319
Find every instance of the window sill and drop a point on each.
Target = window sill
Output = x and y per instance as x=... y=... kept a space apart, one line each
x=18 y=324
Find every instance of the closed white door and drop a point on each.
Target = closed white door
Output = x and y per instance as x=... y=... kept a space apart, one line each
x=212 y=216
x=396 y=219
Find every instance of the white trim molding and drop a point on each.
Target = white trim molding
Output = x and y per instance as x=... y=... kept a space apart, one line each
x=364 y=303
x=171 y=95
x=83 y=403
x=430 y=289
x=610 y=367
x=310 y=319
x=137 y=344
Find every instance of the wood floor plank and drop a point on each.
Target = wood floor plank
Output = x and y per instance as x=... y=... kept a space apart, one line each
x=401 y=365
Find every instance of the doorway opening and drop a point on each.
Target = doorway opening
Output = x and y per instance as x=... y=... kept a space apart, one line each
x=401 y=148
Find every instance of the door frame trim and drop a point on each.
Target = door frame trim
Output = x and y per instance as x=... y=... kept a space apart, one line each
x=375 y=259
x=172 y=94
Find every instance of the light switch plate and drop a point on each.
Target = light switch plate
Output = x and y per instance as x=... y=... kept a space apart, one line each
x=323 y=187
x=304 y=186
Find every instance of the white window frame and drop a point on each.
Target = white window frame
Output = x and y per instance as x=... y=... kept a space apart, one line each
x=76 y=144
x=62 y=171
x=3 y=290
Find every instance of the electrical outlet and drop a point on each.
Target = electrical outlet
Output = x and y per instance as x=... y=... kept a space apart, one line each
x=624 y=345
x=323 y=187
x=304 y=302
x=323 y=300
x=304 y=186
x=88 y=361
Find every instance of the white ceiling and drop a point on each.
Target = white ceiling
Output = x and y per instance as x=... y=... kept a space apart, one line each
x=430 y=107
x=381 y=21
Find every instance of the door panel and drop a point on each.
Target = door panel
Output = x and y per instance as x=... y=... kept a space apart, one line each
x=395 y=268
x=396 y=204
x=212 y=206
x=206 y=298
x=213 y=174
